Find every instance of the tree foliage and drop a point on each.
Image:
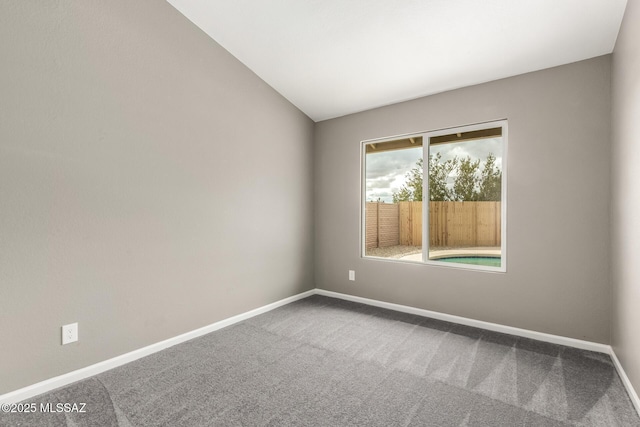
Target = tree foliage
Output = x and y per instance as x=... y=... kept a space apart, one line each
x=470 y=181
x=412 y=189
x=490 y=181
x=465 y=184
x=439 y=171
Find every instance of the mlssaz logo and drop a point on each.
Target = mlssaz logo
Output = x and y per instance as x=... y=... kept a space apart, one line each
x=63 y=407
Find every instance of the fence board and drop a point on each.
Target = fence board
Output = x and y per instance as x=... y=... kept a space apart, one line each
x=382 y=225
x=410 y=223
x=452 y=224
x=371 y=218
x=464 y=224
x=388 y=225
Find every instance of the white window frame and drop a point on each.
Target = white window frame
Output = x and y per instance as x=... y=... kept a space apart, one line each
x=426 y=135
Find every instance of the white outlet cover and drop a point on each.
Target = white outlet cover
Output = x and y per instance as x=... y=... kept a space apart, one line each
x=69 y=333
x=352 y=275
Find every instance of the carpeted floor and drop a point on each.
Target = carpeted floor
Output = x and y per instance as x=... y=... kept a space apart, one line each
x=326 y=362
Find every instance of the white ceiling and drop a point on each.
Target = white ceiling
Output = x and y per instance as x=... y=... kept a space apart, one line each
x=336 y=57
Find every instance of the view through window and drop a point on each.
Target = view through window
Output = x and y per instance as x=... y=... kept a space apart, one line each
x=459 y=193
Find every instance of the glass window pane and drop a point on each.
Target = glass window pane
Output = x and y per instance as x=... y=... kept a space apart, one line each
x=465 y=198
x=393 y=199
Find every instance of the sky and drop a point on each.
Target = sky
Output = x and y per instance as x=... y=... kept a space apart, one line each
x=386 y=171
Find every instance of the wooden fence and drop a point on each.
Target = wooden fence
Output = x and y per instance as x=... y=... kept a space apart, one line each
x=454 y=224
x=383 y=228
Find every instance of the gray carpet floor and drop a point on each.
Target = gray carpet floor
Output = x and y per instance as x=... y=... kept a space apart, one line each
x=327 y=362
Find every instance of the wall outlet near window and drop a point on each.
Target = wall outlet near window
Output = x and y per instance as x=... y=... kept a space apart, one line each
x=69 y=333
x=352 y=275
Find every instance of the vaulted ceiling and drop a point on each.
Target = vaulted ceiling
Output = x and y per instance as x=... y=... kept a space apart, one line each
x=335 y=57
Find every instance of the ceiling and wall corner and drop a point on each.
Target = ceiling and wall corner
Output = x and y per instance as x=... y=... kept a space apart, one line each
x=331 y=58
x=625 y=188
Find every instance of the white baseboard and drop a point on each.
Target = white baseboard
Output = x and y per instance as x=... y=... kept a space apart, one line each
x=71 y=377
x=625 y=380
x=80 y=374
x=540 y=336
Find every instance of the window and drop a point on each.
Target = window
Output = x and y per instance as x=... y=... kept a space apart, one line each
x=459 y=193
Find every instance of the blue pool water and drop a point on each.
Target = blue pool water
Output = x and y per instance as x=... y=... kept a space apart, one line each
x=474 y=260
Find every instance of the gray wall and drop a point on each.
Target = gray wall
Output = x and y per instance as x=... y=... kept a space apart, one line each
x=150 y=184
x=625 y=213
x=558 y=204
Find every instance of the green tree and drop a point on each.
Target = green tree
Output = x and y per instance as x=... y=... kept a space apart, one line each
x=411 y=191
x=490 y=181
x=465 y=185
x=439 y=172
x=438 y=188
x=469 y=184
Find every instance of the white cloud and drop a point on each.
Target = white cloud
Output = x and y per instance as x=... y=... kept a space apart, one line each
x=386 y=171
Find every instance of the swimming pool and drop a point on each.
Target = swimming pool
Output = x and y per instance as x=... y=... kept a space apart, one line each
x=473 y=260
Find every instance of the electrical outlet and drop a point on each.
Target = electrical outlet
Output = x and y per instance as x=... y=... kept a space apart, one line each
x=352 y=275
x=69 y=333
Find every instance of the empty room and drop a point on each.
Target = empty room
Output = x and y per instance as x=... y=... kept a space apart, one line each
x=319 y=213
